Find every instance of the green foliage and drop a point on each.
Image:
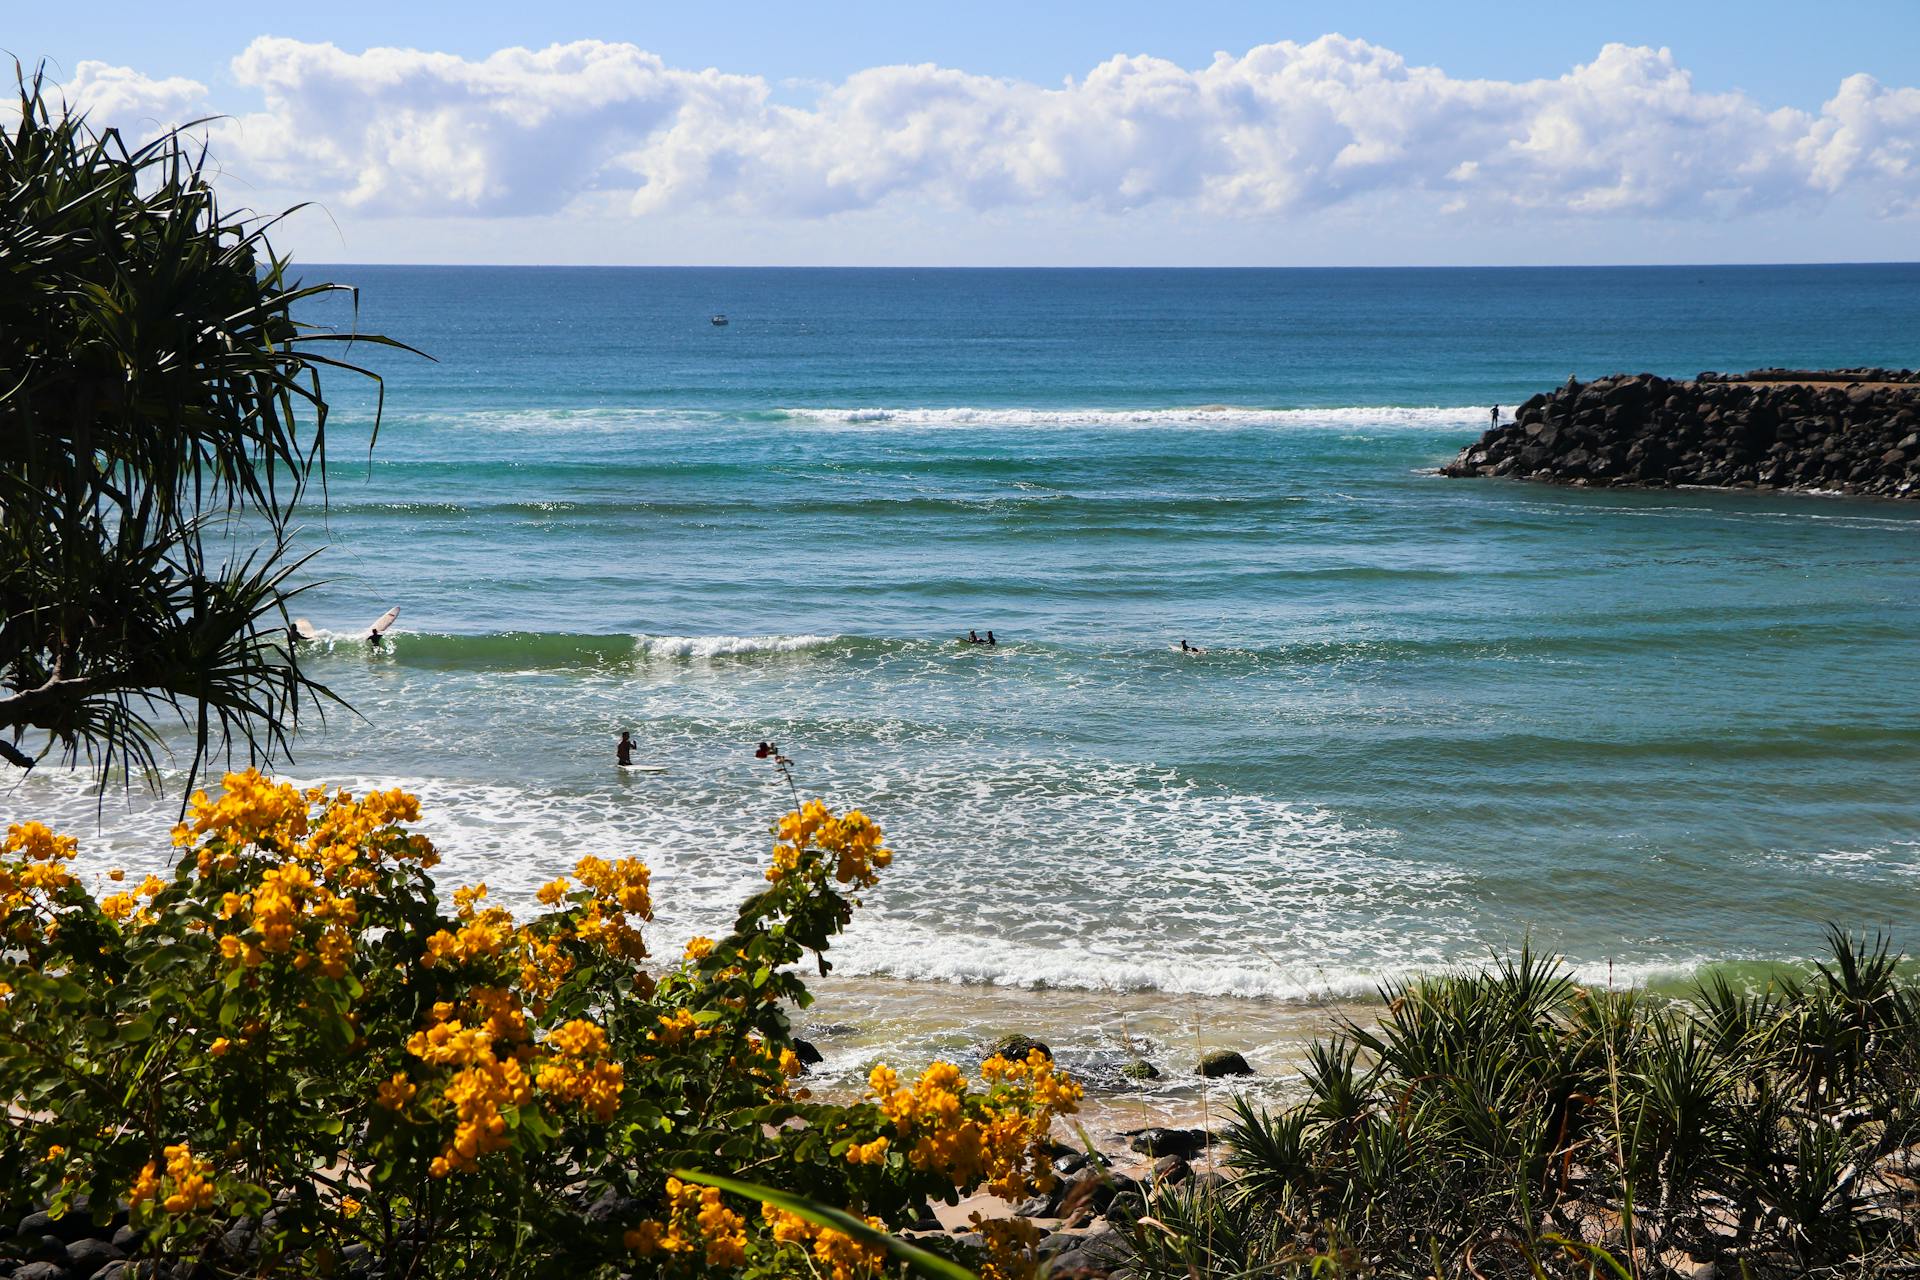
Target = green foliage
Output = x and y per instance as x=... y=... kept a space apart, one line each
x=1512 y=1123
x=154 y=386
x=295 y=1036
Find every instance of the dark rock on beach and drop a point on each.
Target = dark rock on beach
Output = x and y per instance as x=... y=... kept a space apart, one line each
x=1223 y=1062
x=1851 y=431
x=1157 y=1142
x=1016 y=1048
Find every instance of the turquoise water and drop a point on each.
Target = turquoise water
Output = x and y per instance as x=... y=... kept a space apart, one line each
x=1654 y=730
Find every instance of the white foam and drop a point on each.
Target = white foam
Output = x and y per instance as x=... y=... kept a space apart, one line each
x=1233 y=416
x=618 y=419
x=723 y=646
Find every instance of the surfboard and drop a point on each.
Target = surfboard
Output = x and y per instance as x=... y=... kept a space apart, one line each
x=642 y=768
x=1189 y=650
x=387 y=619
x=304 y=629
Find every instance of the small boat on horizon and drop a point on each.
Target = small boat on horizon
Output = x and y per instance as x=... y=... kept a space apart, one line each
x=719 y=319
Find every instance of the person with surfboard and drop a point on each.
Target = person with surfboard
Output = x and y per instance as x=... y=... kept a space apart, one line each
x=623 y=753
x=376 y=635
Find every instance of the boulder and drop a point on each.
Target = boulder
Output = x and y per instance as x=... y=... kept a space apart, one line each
x=1223 y=1062
x=1096 y=1253
x=1170 y=1170
x=1157 y=1142
x=42 y=1271
x=85 y=1257
x=806 y=1052
x=1016 y=1048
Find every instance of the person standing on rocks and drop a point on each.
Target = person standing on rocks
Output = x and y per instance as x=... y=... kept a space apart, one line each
x=1493 y=416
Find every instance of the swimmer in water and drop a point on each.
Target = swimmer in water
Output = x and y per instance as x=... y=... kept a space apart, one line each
x=973 y=637
x=990 y=639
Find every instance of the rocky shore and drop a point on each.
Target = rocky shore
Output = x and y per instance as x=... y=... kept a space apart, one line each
x=1850 y=431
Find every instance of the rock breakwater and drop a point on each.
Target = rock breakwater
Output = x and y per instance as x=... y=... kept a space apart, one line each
x=1854 y=431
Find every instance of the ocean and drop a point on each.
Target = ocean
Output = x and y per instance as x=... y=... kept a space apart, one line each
x=1649 y=731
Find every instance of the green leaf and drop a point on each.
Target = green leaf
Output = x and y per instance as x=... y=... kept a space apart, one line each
x=916 y=1258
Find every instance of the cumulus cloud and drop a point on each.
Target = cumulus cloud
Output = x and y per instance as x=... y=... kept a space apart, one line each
x=133 y=102
x=1281 y=128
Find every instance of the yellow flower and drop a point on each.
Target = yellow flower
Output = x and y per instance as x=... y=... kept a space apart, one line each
x=396 y=1091
x=184 y=1186
x=553 y=890
x=219 y=1047
x=874 y=1152
x=699 y=948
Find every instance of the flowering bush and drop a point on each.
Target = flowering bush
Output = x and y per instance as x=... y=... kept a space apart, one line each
x=293 y=1035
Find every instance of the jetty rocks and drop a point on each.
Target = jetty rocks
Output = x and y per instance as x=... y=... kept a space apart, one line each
x=1853 y=431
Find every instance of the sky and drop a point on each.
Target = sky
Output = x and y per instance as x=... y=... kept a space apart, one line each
x=1202 y=133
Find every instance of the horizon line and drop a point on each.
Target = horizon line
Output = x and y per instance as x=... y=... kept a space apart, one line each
x=849 y=266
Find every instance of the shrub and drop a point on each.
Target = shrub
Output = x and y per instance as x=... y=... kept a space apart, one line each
x=1513 y=1123
x=295 y=1038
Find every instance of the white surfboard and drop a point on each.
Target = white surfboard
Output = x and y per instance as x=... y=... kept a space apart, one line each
x=642 y=768
x=387 y=619
x=304 y=629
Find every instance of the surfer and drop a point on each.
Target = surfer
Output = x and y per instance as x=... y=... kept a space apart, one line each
x=973 y=637
x=623 y=751
x=990 y=639
x=1190 y=648
x=376 y=635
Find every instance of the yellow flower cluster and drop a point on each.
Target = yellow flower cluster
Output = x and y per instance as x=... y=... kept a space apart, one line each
x=578 y=1071
x=346 y=838
x=1010 y=1247
x=38 y=869
x=852 y=841
x=839 y=1255
x=999 y=1138
x=874 y=1152
x=620 y=896
x=698 y=1220
x=484 y=935
x=279 y=912
x=677 y=1028
x=1051 y=1091
x=183 y=1188
x=543 y=965
x=484 y=1082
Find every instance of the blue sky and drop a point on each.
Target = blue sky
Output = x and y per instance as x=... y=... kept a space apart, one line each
x=1429 y=134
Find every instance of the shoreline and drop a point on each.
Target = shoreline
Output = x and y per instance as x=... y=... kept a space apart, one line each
x=1093 y=1035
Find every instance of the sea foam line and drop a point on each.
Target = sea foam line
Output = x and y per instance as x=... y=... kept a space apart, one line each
x=1213 y=415
x=609 y=419
x=724 y=646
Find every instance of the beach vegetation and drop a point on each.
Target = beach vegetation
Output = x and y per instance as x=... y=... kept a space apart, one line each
x=293 y=1056
x=1514 y=1122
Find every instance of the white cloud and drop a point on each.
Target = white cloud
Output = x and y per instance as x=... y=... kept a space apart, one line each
x=1280 y=129
x=138 y=104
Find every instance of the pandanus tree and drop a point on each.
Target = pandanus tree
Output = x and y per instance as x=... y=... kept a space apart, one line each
x=161 y=418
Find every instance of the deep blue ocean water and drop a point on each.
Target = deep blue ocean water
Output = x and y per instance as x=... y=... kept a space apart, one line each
x=1651 y=730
